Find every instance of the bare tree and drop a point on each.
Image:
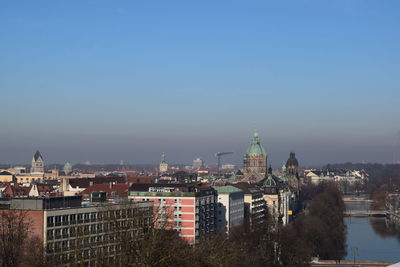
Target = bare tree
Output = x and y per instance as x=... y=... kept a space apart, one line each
x=18 y=246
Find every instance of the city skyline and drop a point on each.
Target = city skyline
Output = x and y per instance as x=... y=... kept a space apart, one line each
x=278 y=157
x=135 y=79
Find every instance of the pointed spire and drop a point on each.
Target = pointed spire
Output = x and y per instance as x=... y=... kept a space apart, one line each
x=37 y=155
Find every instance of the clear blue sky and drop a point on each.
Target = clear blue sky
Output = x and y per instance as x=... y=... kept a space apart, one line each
x=110 y=80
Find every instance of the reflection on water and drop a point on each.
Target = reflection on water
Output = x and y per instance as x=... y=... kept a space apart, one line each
x=370 y=238
x=384 y=228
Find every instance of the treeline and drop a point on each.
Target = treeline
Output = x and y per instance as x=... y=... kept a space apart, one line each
x=381 y=176
x=264 y=245
x=383 y=179
x=322 y=225
x=319 y=231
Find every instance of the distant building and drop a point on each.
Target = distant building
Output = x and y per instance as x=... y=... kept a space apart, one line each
x=255 y=161
x=188 y=209
x=184 y=177
x=17 y=170
x=202 y=171
x=228 y=167
x=15 y=176
x=292 y=169
x=7 y=177
x=41 y=190
x=197 y=163
x=16 y=190
x=292 y=165
x=112 y=191
x=230 y=209
x=163 y=164
x=67 y=168
x=132 y=179
x=29 y=177
x=37 y=163
x=338 y=176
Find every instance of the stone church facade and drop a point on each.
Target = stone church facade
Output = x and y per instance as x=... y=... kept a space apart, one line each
x=255 y=161
x=37 y=163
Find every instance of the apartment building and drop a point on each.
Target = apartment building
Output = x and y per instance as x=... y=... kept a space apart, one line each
x=230 y=211
x=188 y=209
x=73 y=232
x=255 y=207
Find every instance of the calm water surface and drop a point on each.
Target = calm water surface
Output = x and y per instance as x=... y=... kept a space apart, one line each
x=370 y=238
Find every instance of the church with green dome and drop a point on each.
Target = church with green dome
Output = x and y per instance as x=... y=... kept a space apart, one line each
x=255 y=161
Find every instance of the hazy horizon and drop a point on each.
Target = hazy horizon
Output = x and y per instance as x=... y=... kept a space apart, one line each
x=105 y=81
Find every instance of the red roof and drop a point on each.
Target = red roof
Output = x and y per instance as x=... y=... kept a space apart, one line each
x=141 y=179
x=16 y=190
x=120 y=190
x=45 y=188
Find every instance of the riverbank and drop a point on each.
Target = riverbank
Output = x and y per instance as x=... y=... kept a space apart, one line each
x=370 y=238
x=347 y=263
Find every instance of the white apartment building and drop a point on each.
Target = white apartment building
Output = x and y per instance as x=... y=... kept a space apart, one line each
x=230 y=208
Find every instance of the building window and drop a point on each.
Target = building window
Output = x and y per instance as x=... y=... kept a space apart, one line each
x=57 y=220
x=50 y=221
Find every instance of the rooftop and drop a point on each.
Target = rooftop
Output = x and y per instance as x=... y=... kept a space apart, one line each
x=226 y=189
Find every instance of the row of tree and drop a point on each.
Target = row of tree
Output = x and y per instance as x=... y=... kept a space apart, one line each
x=322 y=226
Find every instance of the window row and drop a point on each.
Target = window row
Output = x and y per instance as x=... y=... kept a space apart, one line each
x=93 y=216
x=59 y=233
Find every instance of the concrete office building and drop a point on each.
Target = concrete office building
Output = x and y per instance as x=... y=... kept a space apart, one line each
x=72 y=232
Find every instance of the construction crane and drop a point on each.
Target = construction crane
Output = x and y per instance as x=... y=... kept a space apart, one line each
x=218 y=156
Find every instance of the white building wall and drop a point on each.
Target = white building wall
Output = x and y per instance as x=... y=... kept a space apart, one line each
x=286 y=197
x=230 y=211
x=236 y=209
x=223 y=213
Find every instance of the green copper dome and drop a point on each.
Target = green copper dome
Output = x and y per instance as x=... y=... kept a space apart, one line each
x=256 y=147
x=67 y=166
x=269 y=182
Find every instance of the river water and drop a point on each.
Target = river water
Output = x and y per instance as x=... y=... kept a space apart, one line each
x=371 y=238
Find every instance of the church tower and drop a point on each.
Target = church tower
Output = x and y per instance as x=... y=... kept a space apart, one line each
x=292 y=170
x=255 y=161
x=37 y=163
x=163 y=165
x=292 y=165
